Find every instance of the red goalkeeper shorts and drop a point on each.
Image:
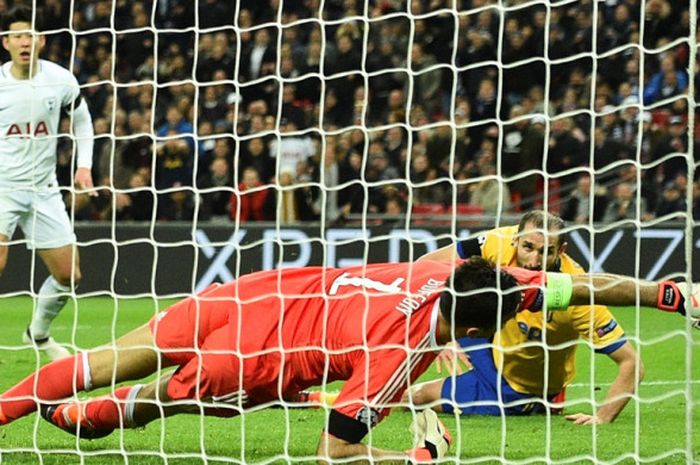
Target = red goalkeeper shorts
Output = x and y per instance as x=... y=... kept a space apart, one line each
x=195 y=335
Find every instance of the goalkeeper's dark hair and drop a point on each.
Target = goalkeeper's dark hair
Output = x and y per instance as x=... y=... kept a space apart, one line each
x=19 y=14
x=476 y=293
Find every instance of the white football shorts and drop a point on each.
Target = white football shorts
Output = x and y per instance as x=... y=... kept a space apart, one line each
x=40 y=214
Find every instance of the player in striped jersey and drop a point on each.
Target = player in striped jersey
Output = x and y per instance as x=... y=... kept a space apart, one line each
x=261 y=339
x=33 y=93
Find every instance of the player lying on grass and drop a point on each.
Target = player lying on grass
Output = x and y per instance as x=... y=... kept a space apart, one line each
x=268 y=335
x=527 y=373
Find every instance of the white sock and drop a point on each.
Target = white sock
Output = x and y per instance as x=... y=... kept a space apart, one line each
x=52 y=297
x=87 y=377
x=130 y=402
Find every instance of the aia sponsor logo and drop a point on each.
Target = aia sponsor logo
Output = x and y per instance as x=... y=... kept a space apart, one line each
x=26 y=130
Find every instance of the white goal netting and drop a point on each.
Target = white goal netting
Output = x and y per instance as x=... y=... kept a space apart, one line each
x=237 y=136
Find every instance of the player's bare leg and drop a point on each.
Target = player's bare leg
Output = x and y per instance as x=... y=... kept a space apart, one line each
x=4 y=250
x=428 y=393
x=131 y=357
x=127 y=407
x=63 y=264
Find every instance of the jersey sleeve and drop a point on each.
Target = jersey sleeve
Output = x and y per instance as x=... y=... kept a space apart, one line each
x=72 y=92
x=532 y=283
x=469 y=247
x=379 y=378
x=597 y=324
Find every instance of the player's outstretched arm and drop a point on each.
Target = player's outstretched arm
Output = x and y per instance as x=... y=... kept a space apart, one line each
x=432 y=441
x=331 y=448
x=617 y=290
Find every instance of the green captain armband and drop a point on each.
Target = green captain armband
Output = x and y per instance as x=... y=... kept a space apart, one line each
x=560 y=288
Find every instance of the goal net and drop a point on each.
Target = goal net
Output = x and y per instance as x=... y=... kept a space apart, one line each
x=234 y=137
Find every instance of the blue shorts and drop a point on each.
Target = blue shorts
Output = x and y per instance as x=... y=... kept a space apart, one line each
x=476 y=393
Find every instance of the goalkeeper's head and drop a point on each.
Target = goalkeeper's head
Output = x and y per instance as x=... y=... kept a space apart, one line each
x=479 y=298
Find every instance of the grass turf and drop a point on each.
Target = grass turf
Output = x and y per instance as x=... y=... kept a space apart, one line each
x=662 y=427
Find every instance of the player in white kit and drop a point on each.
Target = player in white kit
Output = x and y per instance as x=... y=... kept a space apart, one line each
x=33 y=93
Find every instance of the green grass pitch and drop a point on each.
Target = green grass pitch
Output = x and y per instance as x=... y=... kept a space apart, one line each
x=663 y=427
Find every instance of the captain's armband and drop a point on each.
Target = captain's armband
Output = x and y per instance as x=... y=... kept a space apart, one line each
x=559 y=289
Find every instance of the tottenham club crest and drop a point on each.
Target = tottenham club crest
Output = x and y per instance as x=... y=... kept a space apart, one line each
x=368 y=416
x=50 y=104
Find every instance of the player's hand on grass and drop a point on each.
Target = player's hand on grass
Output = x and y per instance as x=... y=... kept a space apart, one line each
x=432 y=438
x=454 y=359
x=583 y=419
x=83 y=181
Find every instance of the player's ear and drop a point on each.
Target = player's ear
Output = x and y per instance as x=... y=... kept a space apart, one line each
x=473 y=333
x=41 y=41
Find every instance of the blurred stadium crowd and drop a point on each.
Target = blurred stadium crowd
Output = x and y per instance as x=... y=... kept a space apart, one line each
x=376 y=111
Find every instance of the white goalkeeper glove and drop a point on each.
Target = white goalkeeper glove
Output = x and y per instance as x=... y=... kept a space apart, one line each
x=691 y=299
x=690 y=305
x=683 y=298
x=432 y=438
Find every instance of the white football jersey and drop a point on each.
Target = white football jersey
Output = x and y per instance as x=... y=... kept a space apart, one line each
x=292 y=151
x=30 y=112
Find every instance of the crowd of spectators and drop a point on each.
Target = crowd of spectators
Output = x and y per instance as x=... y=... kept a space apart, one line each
x=261 y=110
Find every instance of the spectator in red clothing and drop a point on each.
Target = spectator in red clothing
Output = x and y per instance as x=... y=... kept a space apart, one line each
x=253 y=199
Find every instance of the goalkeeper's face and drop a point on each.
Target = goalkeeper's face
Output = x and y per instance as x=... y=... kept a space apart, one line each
x=23 y=43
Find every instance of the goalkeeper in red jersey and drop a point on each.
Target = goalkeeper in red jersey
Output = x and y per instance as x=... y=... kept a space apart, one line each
x=261 y=339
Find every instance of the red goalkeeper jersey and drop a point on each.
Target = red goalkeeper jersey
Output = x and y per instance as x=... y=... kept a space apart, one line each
x=373 y=326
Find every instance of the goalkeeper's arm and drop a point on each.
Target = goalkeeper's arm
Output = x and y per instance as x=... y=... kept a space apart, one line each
x=331 y=448
x=344 y=433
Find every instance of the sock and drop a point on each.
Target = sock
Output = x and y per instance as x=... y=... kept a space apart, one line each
x=113 y=411
x=52 y=297
x=57 y=380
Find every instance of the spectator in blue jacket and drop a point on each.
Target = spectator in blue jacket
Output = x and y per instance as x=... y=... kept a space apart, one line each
x=667 y=82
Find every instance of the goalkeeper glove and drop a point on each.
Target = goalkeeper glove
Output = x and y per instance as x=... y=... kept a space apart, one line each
x=432 y=438
x=681 y=298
